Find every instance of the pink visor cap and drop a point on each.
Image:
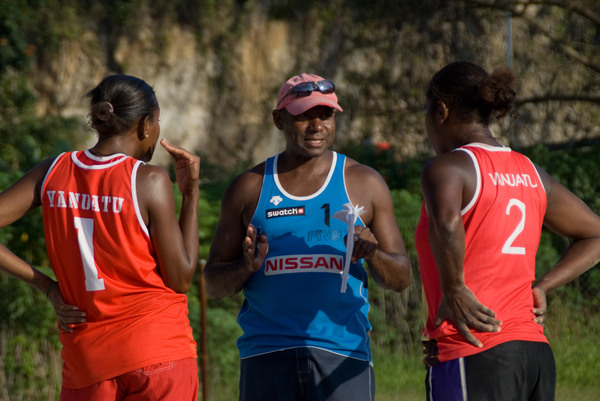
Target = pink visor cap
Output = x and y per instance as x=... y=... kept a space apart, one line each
x=296 y=105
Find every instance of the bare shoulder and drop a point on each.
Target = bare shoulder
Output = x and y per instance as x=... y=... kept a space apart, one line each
x=152 y=176
x=367 y=188
x=248 y=184
x=242 y=194
x=547 y=180
x=154 y=188
x=358 y=174
x=450 y=165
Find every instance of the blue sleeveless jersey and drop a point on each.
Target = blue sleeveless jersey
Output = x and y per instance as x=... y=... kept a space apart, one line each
x=294 y=300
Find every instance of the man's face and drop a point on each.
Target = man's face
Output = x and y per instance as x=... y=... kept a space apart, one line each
x=308 y=134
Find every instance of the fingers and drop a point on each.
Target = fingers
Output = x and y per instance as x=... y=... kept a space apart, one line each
x=474 y=320
x=262 y=247
x=169 y=147
x=464 y=330
x=69 y=327
x=365 y=243
x=539 y=305
x=187 y=166
x=63 y=326
x=485 y=315
x=180 y=154
x=540 y=315
x=466 y=313
x=69 y=316
x=539 y=320
x=175 y=151
x=483 y=322
x=255 y=248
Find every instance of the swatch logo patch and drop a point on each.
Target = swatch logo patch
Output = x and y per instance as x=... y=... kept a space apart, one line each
x=286 y=212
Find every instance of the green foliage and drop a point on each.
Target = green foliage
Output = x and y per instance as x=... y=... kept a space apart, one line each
x=399 y=375
x=28 y=341
x=573 y=331
x=576 y=168
x=14 y=47
x=407 y=207
x=22 y=361
x=223 y=332
x=33 y=28
x=27 y=139
x=398 y=173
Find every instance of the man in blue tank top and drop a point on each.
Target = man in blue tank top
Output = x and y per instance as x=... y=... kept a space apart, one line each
x=281 y=238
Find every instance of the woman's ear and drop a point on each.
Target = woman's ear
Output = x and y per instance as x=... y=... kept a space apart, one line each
x=442 y=112
x=143 y=128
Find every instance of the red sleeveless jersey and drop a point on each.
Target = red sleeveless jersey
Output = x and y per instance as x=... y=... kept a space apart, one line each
x=104 y=261
x=503 y=225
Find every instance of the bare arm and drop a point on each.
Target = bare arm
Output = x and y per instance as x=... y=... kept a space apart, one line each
x=446 y=183
x=380 y=243
x=17 y=200
x=569 y=216
x=235 y=253
x=176 y=242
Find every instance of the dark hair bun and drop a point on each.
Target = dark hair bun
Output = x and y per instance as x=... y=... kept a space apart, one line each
x=103 y=111
x=497 y=92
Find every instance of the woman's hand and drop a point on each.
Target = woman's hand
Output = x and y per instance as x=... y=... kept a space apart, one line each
x=187 y=167
x=69 y=316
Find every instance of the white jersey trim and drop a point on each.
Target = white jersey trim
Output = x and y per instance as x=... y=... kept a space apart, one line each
x=477 y=191
x=487 y=147
x=307 y=346
x=134 y=197
x=346 y=188
x=98 y=159
x=303 y=198
x=538 y=175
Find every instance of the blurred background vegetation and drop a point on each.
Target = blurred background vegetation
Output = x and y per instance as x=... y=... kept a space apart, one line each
x=31 y=32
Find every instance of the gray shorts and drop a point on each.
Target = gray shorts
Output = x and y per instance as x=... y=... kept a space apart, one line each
x=306 y=374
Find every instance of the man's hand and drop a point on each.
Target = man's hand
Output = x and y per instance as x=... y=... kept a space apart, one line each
x=365 y=243
x=462 y=308
x=255 y=247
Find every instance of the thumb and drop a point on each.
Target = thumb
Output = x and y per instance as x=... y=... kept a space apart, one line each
x=441 y=313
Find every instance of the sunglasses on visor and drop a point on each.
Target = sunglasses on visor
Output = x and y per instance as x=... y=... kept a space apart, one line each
x=306 y=88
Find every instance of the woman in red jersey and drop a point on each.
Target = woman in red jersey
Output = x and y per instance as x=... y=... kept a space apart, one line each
x=122 y=260
x=483 y=211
